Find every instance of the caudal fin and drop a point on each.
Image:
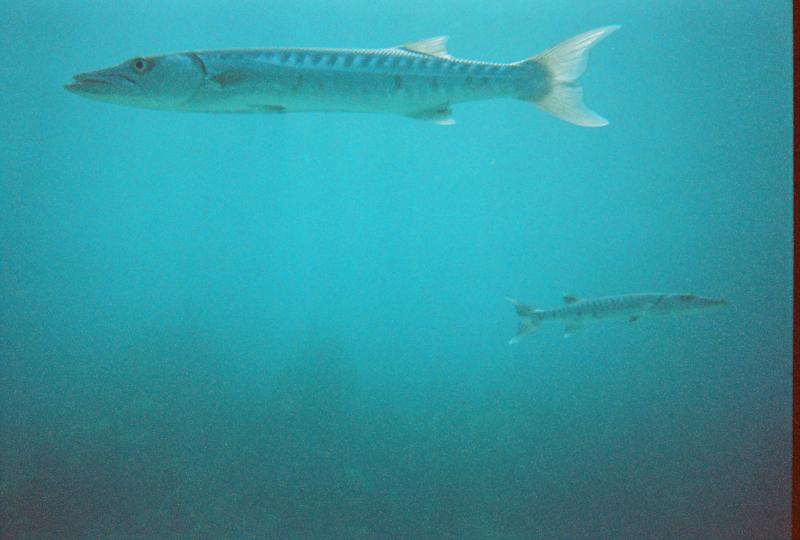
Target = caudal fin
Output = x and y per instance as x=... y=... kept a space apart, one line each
x=561 y=96
x=528 y=321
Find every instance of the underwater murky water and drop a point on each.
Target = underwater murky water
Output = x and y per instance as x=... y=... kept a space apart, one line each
x=294 y=326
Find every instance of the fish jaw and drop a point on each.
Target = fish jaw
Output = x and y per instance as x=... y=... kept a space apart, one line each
x=105 y=85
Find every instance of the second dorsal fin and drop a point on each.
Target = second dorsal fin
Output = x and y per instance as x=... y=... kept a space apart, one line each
x=436 y=46
x=571 y=299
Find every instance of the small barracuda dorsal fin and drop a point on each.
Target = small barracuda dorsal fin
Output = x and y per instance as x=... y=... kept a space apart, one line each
x=433 y=46
x=571 y=299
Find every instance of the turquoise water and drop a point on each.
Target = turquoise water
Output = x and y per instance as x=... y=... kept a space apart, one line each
x=293 y=326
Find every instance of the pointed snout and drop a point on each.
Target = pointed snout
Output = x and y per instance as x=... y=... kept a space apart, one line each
x=100 y=83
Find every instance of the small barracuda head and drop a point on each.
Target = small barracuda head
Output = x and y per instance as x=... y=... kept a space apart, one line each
x=689 y=303
x=153 y=82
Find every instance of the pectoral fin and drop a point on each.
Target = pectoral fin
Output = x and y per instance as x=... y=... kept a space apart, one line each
x=230 y=77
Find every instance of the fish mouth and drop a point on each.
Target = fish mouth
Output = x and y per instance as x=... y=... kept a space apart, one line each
x=101 y=82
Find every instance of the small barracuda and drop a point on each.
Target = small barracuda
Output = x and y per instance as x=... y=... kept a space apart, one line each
x=577 y=312
x=419 y=80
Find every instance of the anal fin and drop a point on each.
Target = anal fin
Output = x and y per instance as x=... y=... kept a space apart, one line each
x=442 y=116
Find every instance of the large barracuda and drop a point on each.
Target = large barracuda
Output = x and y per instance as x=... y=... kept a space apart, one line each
x=419 y=80
x=577 y=312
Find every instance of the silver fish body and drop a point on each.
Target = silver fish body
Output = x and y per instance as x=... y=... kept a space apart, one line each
x=392 y=80
x=577 y=312
x=419 y=80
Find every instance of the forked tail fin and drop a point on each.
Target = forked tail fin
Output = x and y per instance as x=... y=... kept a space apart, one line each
x=561 y=96
x=528 y=322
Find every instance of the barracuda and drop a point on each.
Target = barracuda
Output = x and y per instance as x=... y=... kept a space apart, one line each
x=577 y=312
x=419 y=80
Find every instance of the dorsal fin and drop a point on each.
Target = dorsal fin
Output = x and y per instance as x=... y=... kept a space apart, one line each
x=571 y=299
x=433 y=46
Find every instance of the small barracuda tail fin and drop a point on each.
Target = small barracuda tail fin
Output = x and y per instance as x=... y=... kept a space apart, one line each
x=529 y=320
x=561 y=96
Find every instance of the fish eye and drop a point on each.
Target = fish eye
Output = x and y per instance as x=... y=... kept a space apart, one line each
x=140 y=65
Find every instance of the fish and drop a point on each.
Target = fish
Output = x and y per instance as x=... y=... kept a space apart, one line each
x=577 y=312
x=418 y=80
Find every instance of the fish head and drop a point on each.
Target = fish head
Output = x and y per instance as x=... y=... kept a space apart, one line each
x=154 y=82
x=691 y=302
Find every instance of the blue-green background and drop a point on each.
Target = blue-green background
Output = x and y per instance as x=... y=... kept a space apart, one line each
x=293 y=326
